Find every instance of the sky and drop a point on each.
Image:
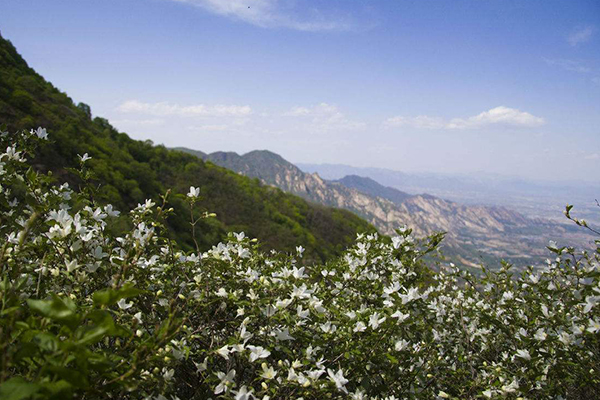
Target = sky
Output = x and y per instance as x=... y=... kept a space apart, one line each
x=465 y=86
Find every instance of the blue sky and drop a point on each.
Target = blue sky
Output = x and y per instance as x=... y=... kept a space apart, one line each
x=503 y=87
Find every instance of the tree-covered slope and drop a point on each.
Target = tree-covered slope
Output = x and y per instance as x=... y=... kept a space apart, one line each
x=128 y=171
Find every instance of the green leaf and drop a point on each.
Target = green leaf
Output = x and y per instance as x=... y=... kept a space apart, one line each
x=9 y=311
x=57 y=309
x=18 y=389
x=108 y=297
x=103 y=326
x=392 y=359
x=59 y=390
x=72 y=376
x=47 y=341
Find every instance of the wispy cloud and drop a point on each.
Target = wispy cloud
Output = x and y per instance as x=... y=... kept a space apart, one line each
x=495 y=116
x=592 y=156
x=581 y=35
x=324 y=117
x=420 y=122
x=275 y=14
x=165 y=109
x=138 y=122
x=568 y=65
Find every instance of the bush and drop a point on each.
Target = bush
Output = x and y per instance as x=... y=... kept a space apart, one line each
x=91 y=313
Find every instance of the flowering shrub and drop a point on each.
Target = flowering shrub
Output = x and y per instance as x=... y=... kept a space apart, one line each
x=92 y=311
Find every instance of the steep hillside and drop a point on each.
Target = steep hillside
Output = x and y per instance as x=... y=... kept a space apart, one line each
x=373 y=188
x=475 y=234
x=129 y=171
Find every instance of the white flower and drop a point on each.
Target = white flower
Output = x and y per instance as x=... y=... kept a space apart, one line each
x=84 y=158
x=282 y=335
x=226 y=381
x=315 y=374
x=72 y=265
x=302 y=314
x=328 y=327
x=540 y=335
x=201 y=367
x=268 y=372
x=401 y=345
x=257 y=352
x=412 y=294
x=168 y=375
x=300 y=250
x=194 y=192
x=511 y=388
x=338 y=379
x=360 y=327
x=41 y=133
x=123 y=305
x=111 y=211
x=401 y=317
x=224 y=352
x=545 y=311
x=375 y=321
x=524 y=354
x=238 y=236
x=590 y=302
x=397 y=241
x=244 y=394
x=358 y=395
x=138 y=317
x=269 y=310
x=594 y=326
x=443 y=395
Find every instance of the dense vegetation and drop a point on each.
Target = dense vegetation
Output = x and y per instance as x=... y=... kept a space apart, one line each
x=129 y=171
x=89 y=314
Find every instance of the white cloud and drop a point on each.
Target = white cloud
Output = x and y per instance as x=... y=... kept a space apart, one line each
x=496 y=116
x=568 y=65
x=581 y=35
x=165 y=109
x=209 y=128
x=324 y=117
x=297 y=112
x=421 y=122
x=138 y=122
x=273 y=14
x=593 y=156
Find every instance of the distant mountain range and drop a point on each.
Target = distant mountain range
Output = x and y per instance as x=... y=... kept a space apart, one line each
x=476 y=234
x=532 y=198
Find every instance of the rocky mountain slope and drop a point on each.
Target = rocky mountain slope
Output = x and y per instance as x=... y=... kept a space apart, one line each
x=475 y=234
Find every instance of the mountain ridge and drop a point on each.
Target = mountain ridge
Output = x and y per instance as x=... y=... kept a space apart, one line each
x=476 y=233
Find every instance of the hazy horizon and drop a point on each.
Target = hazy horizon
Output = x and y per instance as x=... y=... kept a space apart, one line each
x=468 y=87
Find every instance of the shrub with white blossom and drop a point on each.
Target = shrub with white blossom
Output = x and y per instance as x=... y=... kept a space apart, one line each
x=91 y=311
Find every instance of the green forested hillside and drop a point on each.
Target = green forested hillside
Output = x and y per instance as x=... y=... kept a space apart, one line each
x=128 y=171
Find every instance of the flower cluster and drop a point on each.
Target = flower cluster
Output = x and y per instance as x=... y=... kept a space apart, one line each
x=92 y=311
